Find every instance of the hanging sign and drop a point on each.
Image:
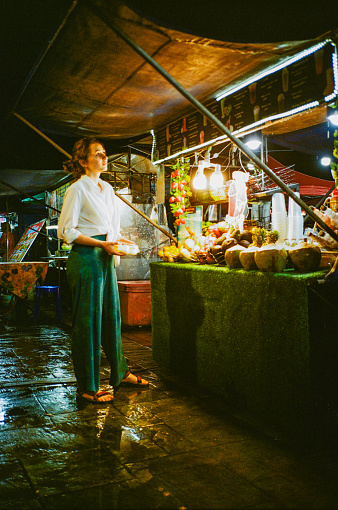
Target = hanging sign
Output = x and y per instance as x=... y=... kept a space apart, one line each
x=301 y=83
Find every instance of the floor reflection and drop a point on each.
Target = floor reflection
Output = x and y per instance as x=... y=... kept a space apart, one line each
x=172 y=446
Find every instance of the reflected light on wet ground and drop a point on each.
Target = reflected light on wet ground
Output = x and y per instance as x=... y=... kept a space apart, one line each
x=172 y=446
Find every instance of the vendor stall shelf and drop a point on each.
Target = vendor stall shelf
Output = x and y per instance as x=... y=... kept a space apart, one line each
x=264 y=341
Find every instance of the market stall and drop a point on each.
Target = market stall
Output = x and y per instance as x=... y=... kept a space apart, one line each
x=216 y=92
x=266 y=342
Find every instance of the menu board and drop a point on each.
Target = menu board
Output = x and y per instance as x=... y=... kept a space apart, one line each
x=26 y=241
x=309 y=79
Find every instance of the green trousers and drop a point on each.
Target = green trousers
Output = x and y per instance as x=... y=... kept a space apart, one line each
x=96 y=316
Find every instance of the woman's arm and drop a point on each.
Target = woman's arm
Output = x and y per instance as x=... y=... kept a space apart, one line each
x=109 y=246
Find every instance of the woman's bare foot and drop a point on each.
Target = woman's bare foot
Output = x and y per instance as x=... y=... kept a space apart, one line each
x=98 y=397
x=134 y=380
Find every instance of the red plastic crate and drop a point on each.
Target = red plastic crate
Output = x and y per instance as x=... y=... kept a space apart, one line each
x=135 y=302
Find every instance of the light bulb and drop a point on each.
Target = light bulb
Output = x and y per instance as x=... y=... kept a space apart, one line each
x=334 y=118
x=200 y=181
x=325 y=161
x=253 y=144
x=216 y=179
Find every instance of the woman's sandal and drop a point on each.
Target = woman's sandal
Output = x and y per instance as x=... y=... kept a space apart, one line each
x=139 y=381
x=95 y=398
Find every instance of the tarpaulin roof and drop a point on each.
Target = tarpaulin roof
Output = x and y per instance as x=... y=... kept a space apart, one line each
x=87 y=81
x=308 y=185
x=312 y=186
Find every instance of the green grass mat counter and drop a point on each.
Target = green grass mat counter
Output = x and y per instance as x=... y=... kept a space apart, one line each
x=243 y=334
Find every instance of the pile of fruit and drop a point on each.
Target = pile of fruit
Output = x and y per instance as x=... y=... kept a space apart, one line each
x=252 y=249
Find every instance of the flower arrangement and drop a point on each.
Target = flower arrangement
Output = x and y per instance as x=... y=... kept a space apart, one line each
x=179 y=189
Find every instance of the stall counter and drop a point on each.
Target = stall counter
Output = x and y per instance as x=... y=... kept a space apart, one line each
x=257 y=339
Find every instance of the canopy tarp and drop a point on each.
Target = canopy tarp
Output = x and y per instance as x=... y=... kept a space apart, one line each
x=89 y=81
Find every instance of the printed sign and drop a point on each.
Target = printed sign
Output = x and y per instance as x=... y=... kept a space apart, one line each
x=26 y=241
x=306 y=80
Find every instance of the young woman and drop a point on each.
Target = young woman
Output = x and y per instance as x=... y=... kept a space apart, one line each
x=90 y=221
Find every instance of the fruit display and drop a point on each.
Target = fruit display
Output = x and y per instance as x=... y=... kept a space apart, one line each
x=252 y=249
x=258 y=236
x=169 y=253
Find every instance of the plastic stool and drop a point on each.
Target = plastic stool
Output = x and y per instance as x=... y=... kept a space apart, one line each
x=47 y=289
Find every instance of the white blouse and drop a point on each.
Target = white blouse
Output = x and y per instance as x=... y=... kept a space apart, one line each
x=89 y=211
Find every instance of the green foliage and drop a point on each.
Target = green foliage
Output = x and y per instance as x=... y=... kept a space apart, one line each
x=179 y=189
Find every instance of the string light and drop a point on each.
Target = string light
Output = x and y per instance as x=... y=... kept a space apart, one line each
x=153 y=145
x=335 y=77
x=308 y=106
x=294 y=111
x=325 y=161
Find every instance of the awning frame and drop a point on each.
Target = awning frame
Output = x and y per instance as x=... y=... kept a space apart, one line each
x=202 y=109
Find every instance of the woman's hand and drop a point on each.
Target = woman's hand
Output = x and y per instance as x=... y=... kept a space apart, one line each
x=112 y=248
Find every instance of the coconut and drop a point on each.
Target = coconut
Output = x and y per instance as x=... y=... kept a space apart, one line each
x=228 y=243
x=271 y=257
x=231 y=256
x=247 y=258
x=305 y=257
x=245 y=243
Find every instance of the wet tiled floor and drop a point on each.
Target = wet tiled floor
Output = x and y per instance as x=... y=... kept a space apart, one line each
x=173 y=446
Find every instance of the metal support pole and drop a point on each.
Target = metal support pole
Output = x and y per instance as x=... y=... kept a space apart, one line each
x=43 y=135
x=28 y=196
x=105 y=17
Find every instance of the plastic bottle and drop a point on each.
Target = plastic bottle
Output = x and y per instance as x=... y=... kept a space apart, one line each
x=324 y=217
